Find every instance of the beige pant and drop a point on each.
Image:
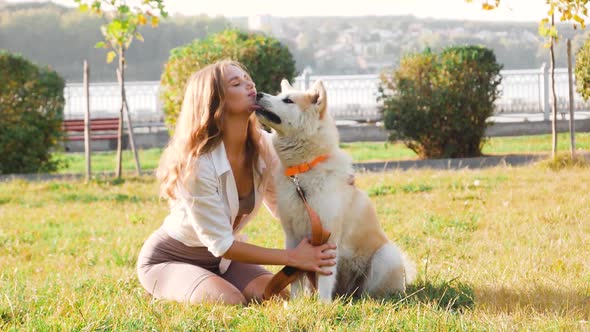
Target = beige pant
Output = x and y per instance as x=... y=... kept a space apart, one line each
x=170 y=270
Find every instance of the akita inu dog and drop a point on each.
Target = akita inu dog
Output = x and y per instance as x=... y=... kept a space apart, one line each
x=305 y=138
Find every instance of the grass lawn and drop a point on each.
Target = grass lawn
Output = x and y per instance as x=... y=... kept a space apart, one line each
x=497 y=249
x=360 y=152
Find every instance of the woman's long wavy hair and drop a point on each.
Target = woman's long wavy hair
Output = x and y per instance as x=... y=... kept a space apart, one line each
x=199 y=128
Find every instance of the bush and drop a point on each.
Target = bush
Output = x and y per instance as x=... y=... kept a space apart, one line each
x=267 y=60
x=31 y=113
x=438 y=104
x=582 y=70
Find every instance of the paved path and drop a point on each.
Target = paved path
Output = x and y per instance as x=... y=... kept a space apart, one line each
x=535 y=117
x=450 y=164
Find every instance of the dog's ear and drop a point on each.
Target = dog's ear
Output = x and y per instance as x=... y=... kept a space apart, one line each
x=285 y=85
x=318 y=96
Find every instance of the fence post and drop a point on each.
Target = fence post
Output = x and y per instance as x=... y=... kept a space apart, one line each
x=158 y=107
x=545 y=88
x=306 y=75
x=67 y=102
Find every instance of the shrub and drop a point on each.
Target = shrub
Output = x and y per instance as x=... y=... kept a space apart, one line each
x=266 y=59
x=438 y=104
x=582 y=70
x=31 y=113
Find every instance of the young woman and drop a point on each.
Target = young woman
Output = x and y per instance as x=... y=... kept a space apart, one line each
x=215 y=172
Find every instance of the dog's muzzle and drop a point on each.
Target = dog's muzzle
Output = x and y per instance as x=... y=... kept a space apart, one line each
x=270 y=116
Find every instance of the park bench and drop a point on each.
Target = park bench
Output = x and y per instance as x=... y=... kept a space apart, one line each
x=100 y=129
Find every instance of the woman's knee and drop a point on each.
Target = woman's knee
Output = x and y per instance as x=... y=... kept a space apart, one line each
x=233 y=298
x=218 y=291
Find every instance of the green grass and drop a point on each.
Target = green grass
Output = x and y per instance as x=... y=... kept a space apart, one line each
x=499 y=249
x=360 y=152
x=106 y=161
x=534 y=144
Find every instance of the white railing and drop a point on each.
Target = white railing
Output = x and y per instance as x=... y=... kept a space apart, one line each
x=143 y=99
x=528 y=91
x=351 y=97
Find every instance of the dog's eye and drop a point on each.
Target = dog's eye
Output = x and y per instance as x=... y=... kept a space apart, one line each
x=287 y=101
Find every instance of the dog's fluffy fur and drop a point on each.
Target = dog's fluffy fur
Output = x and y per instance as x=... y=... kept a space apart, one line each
x=367 y=262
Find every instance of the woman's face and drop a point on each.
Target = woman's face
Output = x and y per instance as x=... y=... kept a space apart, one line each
x=240 y=92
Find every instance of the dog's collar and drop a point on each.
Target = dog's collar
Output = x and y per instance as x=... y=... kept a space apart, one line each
x=302 y=168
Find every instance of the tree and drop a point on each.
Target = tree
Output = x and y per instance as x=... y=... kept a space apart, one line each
x=266 y=59
x=583 y=70
x=573 y=11
x=119 y=32
x=31 y=113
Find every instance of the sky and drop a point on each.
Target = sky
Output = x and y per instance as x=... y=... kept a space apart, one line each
x=510 y=10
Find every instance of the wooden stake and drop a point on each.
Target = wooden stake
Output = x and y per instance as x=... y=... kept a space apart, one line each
x=120 y=129
x=553 y=95
x=570 y=76
x=125 y=111
x=87 y=146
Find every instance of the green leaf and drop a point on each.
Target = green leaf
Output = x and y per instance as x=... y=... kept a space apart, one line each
x=83 y=8
x=116 y=26
x=123 y=9
x=96 y=7
x=111 y=56
x=139 y=36
x=100 y=44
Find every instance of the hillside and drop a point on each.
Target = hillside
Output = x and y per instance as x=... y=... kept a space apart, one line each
x=62 y=38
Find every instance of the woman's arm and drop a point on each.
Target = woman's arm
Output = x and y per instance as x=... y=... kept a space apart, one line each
x=304 y=256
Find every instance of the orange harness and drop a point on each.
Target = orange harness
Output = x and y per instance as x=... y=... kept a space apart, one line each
x=319 y=235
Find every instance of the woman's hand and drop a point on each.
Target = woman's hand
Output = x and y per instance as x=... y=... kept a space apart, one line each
x=309 y=258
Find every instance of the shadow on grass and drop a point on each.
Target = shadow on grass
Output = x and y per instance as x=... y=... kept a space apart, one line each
x=449 y=295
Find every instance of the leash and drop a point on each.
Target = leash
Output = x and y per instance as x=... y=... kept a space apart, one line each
x=319 y=235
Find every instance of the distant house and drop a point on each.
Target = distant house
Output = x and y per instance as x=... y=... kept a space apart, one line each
x=265 y=23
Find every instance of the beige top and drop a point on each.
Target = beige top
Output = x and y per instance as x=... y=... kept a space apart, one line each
x=203 y=215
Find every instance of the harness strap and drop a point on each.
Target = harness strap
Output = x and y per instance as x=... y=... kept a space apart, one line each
x=288 y=274
x=319 y=235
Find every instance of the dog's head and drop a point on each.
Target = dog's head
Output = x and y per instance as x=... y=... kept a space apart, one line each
x=304 y=129
x=293 y=111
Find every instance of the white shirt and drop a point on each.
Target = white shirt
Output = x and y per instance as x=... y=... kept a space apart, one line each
x=203 y=214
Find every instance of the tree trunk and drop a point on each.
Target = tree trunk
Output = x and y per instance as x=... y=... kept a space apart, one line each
x=125 y=107
x=571 y=95
x=554 y=96
x=87 y=146
x=130 y=133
